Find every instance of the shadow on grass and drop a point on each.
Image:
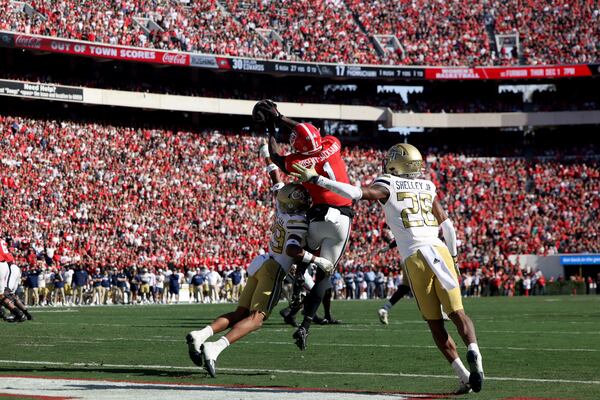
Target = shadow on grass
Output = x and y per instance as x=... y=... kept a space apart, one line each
x=129 y=372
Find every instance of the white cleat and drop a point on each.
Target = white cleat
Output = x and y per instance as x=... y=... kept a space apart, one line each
x=463 y=388
x=383 y=316
x=194 y=340
x=476 y=370
x=209 y=357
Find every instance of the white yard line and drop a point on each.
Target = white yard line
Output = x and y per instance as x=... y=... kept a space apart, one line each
x=301 y=372
x=163 y=339
x=96 y=389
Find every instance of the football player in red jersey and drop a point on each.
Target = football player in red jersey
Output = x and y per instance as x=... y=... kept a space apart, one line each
x=330 y=216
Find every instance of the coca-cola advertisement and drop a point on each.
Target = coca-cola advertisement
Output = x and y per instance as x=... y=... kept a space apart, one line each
x=28 y=42
x=175 y=58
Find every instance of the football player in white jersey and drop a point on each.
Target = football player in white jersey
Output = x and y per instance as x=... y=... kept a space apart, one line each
x=263 y=287
x=414 y=215
x=402 y=290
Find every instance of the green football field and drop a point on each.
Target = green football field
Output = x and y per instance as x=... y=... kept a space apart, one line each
x=537 y=347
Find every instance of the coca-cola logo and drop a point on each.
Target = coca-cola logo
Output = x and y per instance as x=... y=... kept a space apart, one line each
x=29 y=42
x=173 y=58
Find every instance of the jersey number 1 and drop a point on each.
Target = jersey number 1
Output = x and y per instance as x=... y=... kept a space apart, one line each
x=327 y=168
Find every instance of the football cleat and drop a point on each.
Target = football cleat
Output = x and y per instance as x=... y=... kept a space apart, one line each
x=194 y=349
x=300 y=337
x=288 y=318
x=332 y=321
x=463 y=388
x=383 y=316
x=28 y=315
x=476 y=369
x=320 y=321
x=12 y=318
x=209 y=359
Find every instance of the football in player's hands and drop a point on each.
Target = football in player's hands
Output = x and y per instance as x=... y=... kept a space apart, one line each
x=258 y=115
x=265 y=111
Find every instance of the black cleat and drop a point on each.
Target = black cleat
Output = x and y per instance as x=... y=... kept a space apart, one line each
x=12 y=318
x=288 y=318
x=300 y=337
x=476 y=375
x=332 y=321
x=320 y=321
x=209 y=365
x=29 y=316
x=195 y=356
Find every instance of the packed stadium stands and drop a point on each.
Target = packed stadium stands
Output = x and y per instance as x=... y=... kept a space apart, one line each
x=146 y=197
x=427 y=33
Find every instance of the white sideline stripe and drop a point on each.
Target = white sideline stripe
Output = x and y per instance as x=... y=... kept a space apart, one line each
x=367 y=328
x=303 y=372
x=67 y=339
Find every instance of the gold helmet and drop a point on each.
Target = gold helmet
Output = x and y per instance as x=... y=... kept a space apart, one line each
x=293 y=197
x=403 y=159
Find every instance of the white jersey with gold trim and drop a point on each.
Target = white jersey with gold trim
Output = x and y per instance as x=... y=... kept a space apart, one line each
x=408 y=212
x=283 y=227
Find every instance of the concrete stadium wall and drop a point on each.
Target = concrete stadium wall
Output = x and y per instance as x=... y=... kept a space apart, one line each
x=549 y=265
x=495 y=120
x=336 y=112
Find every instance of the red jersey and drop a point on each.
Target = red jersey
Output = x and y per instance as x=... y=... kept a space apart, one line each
x=5 y=255
x=328 y=162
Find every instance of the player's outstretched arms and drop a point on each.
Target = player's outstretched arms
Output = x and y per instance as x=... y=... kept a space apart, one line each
x=275 y=155
x=373 y=192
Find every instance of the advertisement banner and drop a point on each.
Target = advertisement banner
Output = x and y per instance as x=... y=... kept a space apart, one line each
x=580 y=259
x=91 y=49
x=40 y=91
x=101 y=50
x=543 y=72
x=203 y=61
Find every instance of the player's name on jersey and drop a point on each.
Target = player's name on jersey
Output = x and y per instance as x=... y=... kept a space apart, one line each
x=412 y=185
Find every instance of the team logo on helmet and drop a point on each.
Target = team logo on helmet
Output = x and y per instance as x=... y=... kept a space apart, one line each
x=306 y=138
x=293 y=197
x=403 y=159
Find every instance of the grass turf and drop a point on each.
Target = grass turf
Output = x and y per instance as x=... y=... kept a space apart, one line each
x=537 y=338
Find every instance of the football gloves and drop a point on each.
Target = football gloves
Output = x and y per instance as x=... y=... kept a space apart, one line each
x=304 y=174
x=324 y=264
x=265 y=111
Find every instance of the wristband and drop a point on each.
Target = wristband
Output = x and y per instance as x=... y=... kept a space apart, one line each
x=271 y=167
x=307 y=257
x=277 y=186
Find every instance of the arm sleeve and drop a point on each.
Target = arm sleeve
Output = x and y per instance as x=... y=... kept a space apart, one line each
x=449 y=234
x=343 y=189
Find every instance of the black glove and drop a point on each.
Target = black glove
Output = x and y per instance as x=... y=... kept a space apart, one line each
x=265 y=111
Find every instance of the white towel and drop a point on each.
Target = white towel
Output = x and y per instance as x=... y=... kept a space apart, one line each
x=439 y=267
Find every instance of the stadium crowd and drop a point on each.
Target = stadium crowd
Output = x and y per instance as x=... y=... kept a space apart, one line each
x=103 y=197
x=428 y=32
